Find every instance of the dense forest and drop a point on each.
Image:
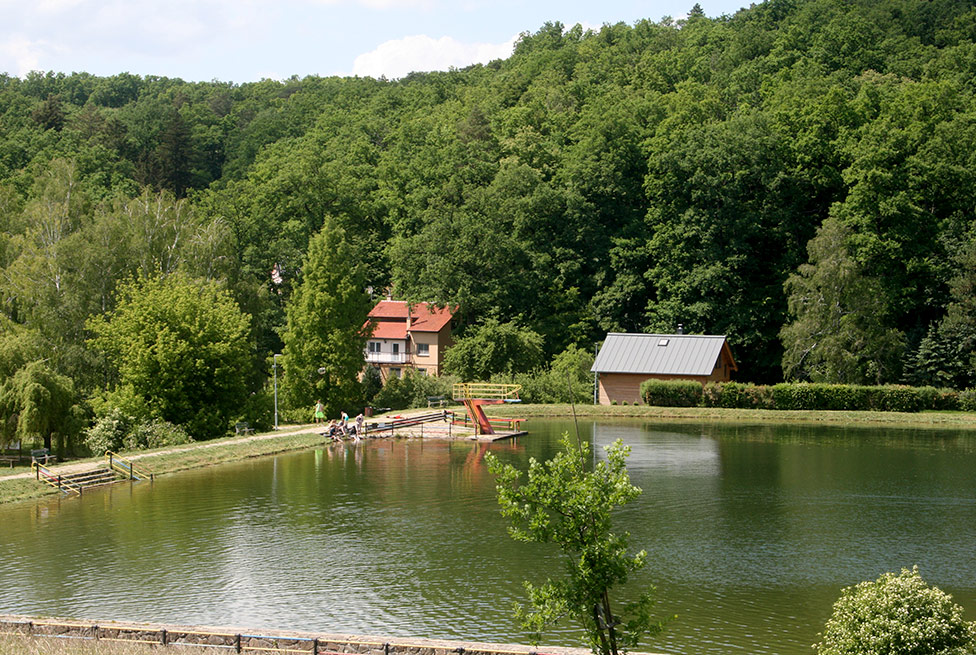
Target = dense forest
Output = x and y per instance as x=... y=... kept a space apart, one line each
x=798 y=176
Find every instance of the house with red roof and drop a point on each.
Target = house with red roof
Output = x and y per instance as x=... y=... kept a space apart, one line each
x=408 y=337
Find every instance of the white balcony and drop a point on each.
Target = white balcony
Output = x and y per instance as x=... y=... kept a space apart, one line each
x=387 y=358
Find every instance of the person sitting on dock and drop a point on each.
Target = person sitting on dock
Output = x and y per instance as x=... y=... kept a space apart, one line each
x=332 y=431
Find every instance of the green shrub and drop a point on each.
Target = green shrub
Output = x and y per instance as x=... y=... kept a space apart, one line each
x=156 y=434
x=671 y=393
x=108 y=432
x=896 y=615
x=967 y=400
x=371 y=384
x=116 y=431
x=737 y=395
x=938 y=399
x=760 y=396
x=258 y=410
x=897 y=398
x=568 y=371
x=890 y=398
x=413 y=390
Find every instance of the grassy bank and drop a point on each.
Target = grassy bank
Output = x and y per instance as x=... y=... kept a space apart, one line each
x=935 y=420
x=14 y=645
x=13 y=486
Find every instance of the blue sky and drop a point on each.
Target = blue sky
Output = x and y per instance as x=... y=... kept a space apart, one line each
x=247 y=40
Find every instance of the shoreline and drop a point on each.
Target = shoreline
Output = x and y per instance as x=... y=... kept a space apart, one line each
x=196 y=638
x=946 y=420
x=17 y=484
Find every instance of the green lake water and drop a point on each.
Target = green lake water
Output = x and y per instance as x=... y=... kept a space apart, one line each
x=751 y=533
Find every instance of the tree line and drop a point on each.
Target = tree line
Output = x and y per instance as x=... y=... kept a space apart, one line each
x=797 y=176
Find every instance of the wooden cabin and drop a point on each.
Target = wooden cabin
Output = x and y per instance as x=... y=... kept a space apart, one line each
x=626 y=360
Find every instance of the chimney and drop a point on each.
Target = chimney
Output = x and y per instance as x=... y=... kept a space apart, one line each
x=681 y=328
x=409 y=319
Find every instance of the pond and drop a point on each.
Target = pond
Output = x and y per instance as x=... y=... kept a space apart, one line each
x=751 y=532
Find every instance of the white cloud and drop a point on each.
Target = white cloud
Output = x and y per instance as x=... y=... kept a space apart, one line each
x=26 y=55
x=397 y=4
x=399 y=57
x=380 y=4
x=56 y=6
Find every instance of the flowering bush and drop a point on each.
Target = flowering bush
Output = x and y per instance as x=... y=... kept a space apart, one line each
x=896 y=615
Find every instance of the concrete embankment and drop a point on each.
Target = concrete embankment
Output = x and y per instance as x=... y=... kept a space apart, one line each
x=243 y=640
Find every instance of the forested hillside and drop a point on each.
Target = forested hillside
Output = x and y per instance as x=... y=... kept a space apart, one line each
x=798 y=176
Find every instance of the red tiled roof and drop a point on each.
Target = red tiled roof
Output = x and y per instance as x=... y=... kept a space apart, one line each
x=424 y=317
x=390 y=330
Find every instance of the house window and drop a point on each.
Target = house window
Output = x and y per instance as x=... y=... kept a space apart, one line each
x=395 y=372
x=423 y=349
x=396 y=349
x=373 y=347
x=421 y=371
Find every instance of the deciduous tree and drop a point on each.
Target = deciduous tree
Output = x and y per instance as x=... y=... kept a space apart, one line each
x=559 y=501
x=182 y=351
x=326 y=334
x=837 y=332
x=494 y=347
x=37 y=403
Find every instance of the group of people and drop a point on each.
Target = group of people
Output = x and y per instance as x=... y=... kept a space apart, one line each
x=340 y=429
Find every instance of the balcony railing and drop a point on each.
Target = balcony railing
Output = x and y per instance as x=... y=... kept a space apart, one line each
x=387 y=358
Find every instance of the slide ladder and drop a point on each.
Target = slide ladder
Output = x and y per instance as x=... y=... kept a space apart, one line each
x=475 y=395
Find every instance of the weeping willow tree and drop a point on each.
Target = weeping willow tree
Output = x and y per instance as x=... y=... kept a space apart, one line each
x=38 y=404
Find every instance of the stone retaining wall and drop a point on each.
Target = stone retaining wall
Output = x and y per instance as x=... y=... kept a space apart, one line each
x=274 y=641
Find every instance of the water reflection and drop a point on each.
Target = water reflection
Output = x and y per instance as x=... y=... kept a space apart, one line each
x=751 y=532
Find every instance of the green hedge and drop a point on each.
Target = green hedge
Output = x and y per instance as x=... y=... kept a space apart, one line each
x=809 y=396
x=671 y=393
x=737 y=395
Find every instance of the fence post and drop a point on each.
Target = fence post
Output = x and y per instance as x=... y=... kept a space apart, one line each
x=315 y=646
x=163 y=637
x=59 y=482
x=237 y=643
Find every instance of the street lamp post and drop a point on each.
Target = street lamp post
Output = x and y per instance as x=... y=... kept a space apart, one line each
x=274 y=366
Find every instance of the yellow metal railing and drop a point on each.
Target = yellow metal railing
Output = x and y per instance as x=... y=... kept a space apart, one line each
x=124 y=466
x=49 y=477
x=486 y=390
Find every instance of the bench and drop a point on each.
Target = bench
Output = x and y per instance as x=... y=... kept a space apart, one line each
x=436 y=401
x=41 y=453
x=242 y=428
x=10 y=459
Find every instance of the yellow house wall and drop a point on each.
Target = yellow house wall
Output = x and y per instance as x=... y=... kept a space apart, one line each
x=437 y=342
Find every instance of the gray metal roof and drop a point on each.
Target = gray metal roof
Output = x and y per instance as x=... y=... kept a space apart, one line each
x=659 y=354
